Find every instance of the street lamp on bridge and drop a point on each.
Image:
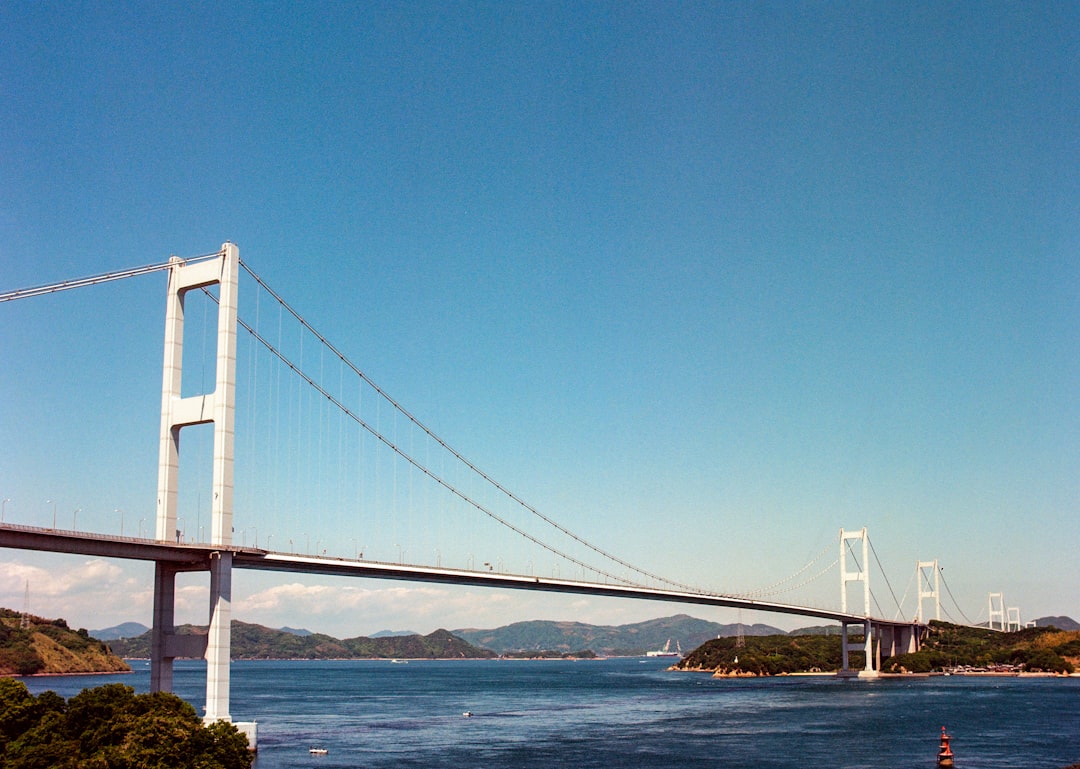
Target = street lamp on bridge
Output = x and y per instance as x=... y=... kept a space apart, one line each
x=48 y=501
x=74 y=518
x=3 y=506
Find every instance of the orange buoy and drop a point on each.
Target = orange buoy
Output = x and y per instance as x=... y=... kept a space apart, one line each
x=945 y=754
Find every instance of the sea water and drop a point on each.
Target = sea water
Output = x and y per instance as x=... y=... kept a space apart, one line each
x=623 y=714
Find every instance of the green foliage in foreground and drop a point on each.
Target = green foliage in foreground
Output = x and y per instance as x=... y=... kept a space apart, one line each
x=111 y=727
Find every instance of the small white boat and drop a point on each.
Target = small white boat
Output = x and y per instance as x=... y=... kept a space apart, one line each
x=467 y=714
x=318 y=751
x=399 y=662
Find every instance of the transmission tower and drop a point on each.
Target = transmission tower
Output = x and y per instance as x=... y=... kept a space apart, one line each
x=24 y=620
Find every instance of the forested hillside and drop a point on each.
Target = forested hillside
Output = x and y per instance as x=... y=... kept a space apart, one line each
x=946 y=647
x=50 y=646
x=250 y=641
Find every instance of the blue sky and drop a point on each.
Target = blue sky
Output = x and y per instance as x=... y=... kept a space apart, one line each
x=707 y=282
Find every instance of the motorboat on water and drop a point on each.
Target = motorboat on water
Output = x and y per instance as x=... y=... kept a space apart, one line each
x=318 y=751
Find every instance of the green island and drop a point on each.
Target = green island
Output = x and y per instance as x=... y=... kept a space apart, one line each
x=947 y=648
x=111 y=726
x=253 y=642
x=32 y=645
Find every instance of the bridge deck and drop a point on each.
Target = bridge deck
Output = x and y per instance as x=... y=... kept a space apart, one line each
x=196 y=557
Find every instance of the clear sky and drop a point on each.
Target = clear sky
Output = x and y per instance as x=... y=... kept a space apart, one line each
x=706 y=281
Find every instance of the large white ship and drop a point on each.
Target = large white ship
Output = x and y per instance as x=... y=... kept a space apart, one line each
x=666 y=651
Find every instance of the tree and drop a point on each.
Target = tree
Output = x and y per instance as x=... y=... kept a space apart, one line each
x=111 y=727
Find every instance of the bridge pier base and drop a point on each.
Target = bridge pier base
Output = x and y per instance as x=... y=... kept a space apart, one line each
x=218 y=642
x=161 y=665
x=880 y=641
x=866 y=647
x=165 y=644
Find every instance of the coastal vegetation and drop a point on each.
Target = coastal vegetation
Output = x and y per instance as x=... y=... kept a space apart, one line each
x=765 y=655
x=36 y=645
x=946 y=647
x=949 y=647
x=111 y=727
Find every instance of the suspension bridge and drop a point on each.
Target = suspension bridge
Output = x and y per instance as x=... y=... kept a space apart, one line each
x=374 y=484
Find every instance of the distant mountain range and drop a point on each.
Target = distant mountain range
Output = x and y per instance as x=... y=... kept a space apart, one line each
x=132 y=639
x=257 y=642
x=123 y=630
x=633 y=639
x=1061 y=623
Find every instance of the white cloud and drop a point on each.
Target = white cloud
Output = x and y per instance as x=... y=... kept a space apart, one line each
x=91 y=593
x=96 y=593
x=351 y=609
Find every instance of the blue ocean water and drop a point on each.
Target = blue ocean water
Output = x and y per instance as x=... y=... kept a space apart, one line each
x=626 y=713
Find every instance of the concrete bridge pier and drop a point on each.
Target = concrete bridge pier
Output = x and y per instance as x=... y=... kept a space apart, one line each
x=897 y=639
x=866 y=646
x=219 y=642
x=165 y=644
x=880 y=641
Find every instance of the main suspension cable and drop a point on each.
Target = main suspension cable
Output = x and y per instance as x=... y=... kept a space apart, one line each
x=884 y=576
x=456 y=454
x=426 y=471
x=93 y=280
x=772 y=589
x=955 y=604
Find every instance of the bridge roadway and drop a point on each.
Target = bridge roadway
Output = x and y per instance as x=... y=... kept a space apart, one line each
x=196 y=557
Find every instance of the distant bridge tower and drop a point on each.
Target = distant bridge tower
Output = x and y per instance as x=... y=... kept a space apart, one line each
x=861 y=573
x=996 y=611
x=1012 y=622
x=929 y=587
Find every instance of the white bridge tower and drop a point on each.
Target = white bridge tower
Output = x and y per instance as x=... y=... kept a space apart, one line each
x=929 y=576
x=860 y=573
x=177 y=412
